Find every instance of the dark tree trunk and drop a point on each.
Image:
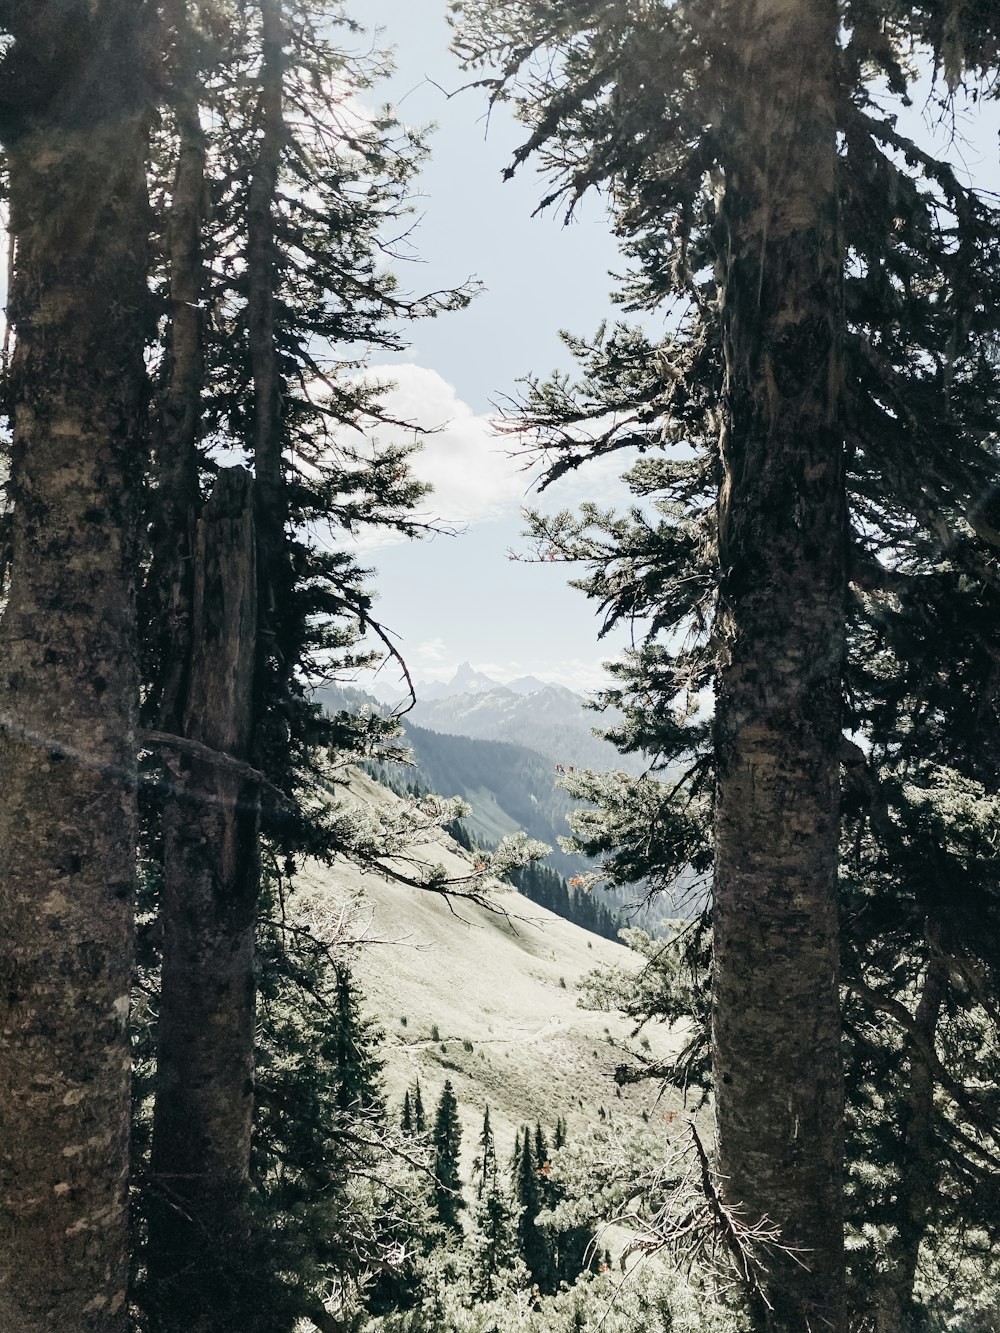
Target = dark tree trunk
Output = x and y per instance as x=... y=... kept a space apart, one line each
x=782 y=527
x=273 y=570
x=74 y=121
x=205 y=1040
x=920 y=1165
x=169 y=587
x=203 y=594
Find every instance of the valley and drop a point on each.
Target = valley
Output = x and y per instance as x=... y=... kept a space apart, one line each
x=485 y=999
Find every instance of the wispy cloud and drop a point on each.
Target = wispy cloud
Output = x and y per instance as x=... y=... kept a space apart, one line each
x=432 y=650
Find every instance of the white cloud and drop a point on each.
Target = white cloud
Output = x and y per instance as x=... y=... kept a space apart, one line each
x=476 y=474
x=473 y=477
x=432 y=650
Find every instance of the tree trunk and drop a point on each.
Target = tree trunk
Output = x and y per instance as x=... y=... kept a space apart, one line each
x=203 y=596
x=920 y=1165
x=275 y=577
x=169 y=586
x=205 y=1040
x=73 y=117
x=782 y=537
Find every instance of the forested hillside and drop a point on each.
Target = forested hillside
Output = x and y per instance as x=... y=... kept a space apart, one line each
x=511 y=789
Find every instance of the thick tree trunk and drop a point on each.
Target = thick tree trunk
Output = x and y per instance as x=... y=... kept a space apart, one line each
x=205 y=1041
x=776 y=1019
x=74 y=124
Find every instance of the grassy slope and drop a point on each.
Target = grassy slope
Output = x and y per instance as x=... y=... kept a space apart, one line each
x=496 y=984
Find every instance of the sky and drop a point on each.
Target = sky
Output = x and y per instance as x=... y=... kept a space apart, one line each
x=452 y=599
x=449 y=599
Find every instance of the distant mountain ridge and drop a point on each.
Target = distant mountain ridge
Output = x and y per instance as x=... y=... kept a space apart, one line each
x=467 y=680
x=550 y=719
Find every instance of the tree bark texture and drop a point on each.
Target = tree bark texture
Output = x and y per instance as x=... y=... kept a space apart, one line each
x=74 y=124
x=781 y=626
x=920 y=1159
x=178 y=406
x=205 y=1042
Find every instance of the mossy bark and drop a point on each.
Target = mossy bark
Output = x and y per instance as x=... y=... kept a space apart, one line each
x=73 y=117
x=781 y=625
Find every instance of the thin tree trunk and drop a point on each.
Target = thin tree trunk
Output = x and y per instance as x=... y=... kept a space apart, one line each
x=920 y=1163
x=205 y=1037
x=776 y=1018
x=73 y=116
x=205 y=578
x=178 y=409
x=205 y=1058
x=274 y=575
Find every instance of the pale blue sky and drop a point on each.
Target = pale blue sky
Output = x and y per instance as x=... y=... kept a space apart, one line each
x=459 y=598
x=451 y=599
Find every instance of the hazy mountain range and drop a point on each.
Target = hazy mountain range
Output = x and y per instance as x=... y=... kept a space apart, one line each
x=550 y=719
x=497 y=747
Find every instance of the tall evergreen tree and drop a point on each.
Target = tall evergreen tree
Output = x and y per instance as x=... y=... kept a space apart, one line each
x=419 y=1114
x=446 y=1140
x=486 y=1160
x=528 y=1197
x=491 y=1252
x=286 y=257
x=329 y=1198
x=807 y=272
x=75 y=109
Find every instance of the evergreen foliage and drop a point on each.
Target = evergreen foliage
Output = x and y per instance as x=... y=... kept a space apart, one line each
x=419 y=1115
x=486 y=1158
x=492 y=1253
x=529 y=1197
x=549 y=889
x=631 y=105
x=446 y=1139
x=271 y=202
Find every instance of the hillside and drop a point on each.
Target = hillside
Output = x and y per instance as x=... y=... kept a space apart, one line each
x=509 y=788
x=486 y=1000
